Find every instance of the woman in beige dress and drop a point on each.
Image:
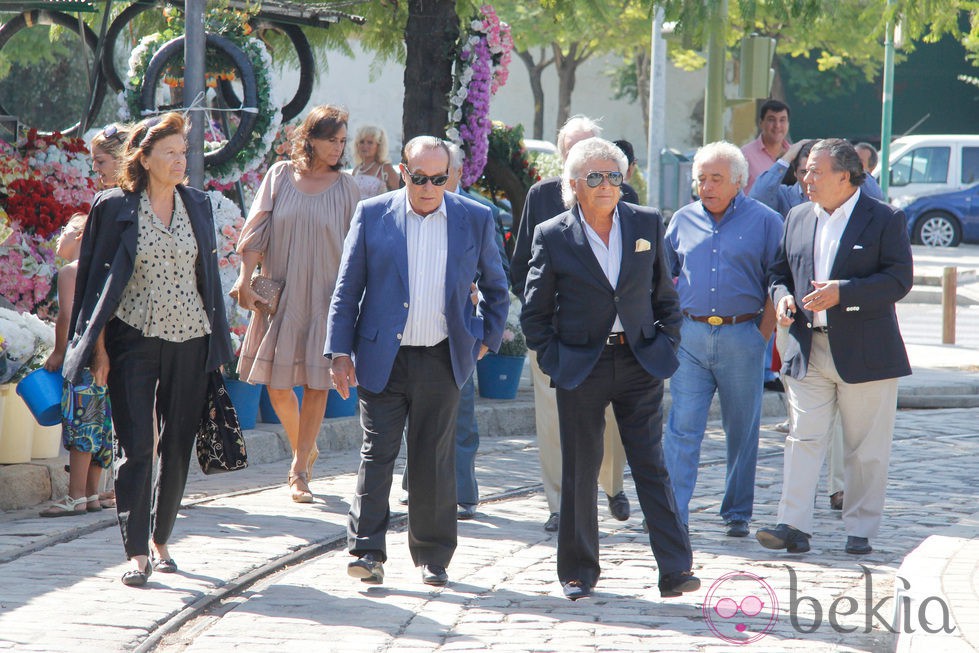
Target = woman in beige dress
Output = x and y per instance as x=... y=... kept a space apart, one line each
x=373 y=173
x=295 y=230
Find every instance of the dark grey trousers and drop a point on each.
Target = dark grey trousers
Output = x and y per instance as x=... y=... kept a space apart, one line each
x=421 y=389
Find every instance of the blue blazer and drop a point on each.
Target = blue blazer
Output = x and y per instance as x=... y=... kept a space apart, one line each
x=570 y=306
x=370 y=304
x=874 y=267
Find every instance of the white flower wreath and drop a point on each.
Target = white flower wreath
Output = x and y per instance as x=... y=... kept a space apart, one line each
x=253 y=154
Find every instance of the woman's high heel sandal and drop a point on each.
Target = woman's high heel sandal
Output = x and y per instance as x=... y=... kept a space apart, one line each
x=299 y=485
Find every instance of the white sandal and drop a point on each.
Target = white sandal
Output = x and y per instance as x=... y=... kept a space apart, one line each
x=94 y=500
x=67 y=507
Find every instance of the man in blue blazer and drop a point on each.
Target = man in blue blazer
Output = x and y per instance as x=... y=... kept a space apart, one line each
x=845 y=260
x=402 y=326
x=602 y=314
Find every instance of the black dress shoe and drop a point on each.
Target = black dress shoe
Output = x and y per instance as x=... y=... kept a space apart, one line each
x=165 y=565
x=434 y=575
x=576 y=589
x=466 y=511
x=137 y=578
x=553 y=522
x=368 y=568
x=858 y=545
x=737 y=528
x=619 y=506
x=675 y=584
x=836 y=500
x=785 y=537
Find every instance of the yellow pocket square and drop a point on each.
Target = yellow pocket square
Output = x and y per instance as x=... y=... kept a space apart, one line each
x=642 y=245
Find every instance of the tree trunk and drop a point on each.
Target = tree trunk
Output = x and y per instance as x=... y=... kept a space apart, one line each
x=430 y=41
x=567 y=67
x=499 y=175
x=535 y=70
x=642 y=84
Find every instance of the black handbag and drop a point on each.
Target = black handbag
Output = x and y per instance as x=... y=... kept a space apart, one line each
x=220 y=442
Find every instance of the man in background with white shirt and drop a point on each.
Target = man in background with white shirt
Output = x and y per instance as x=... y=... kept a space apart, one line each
x=845 y=260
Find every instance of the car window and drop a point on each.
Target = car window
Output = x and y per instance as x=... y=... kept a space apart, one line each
x=924 y=165
x=970 y=165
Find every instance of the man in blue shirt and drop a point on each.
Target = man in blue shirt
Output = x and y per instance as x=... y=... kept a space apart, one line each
x=719 y=249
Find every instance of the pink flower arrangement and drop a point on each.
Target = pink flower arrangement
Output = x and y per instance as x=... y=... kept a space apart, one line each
x=29 y=265
x=481 y=69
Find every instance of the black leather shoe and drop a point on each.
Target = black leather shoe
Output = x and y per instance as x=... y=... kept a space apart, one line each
x=466 y=511
x=368 y=568
x=434 y=575
x=576 y=589
x=619 y=506
x=136 y=578
x=553 y=522
x=785 y=537
x=675 y=584
x=858 y=545
x=738 y=528
x=836 y=500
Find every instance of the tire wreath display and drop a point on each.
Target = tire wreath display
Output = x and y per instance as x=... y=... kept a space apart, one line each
x=43 y=17
x=259 y=118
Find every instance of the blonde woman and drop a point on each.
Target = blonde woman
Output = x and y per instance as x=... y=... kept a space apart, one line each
x=373 y=173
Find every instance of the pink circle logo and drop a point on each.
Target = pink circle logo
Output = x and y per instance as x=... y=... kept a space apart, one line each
x=741 y=608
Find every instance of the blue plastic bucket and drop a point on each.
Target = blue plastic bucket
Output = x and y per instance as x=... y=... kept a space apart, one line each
x=499 y=376
x=244 y=397
x=337 y=406
x=41 y=391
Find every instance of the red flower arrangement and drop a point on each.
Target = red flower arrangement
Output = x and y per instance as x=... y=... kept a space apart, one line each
x=33 y=205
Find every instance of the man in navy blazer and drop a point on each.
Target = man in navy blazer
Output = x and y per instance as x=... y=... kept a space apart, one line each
x=602 y=314
x=845 y=260
x=402 y=326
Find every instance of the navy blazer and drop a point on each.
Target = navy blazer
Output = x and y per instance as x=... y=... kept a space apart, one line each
x=570 y=306
x=105 y=265
x=370 y=304
x=874 y=267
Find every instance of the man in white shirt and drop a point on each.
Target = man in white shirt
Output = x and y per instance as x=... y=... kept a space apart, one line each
x=845 y=260
x=402 y=327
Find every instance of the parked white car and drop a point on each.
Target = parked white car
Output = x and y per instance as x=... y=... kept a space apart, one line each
x=931 y=163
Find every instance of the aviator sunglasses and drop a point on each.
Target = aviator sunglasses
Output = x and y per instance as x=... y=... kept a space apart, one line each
x=421 y=180
x=594 y=179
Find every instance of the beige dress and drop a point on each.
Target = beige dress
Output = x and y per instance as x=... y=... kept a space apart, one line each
x=301 y=236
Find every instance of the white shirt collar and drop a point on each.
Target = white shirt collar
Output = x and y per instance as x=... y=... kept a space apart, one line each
x=441 y=210
x=844 y=211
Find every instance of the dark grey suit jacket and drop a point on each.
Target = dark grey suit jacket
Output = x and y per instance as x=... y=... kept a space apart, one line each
x=874 y=267
x=105 y=265
x=570 y=305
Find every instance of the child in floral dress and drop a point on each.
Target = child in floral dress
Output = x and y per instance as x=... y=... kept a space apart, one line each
x=86 y=422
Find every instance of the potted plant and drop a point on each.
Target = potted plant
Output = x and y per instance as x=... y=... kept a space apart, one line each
x=498 y=374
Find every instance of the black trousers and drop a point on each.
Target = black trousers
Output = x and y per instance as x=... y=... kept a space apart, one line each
x=147 y=374
x=422 y=389
x=637 y=401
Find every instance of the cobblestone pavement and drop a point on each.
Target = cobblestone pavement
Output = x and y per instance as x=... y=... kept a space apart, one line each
x=503 y=593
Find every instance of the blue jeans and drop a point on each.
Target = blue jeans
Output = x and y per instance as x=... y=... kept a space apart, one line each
x=770 y=375
x=726 y=359
x=467 y=442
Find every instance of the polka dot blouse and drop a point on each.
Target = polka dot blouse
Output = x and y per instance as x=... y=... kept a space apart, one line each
x=161 y=299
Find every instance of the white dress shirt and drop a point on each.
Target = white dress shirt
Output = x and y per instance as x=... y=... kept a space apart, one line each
x=829 y=231
x=609 y=256
x=427 y=250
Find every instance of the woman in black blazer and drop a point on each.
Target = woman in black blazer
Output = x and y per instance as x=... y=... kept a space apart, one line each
x=148 y=319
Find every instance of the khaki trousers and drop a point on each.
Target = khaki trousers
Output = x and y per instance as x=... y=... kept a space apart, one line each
x=866 y=412
x=549 y=442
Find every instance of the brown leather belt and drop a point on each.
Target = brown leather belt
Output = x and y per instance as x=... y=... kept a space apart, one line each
x=615 y=339
x=718 y=320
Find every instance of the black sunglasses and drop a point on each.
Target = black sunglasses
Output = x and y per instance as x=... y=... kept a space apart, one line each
x=594 y=179
x=421 y=180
